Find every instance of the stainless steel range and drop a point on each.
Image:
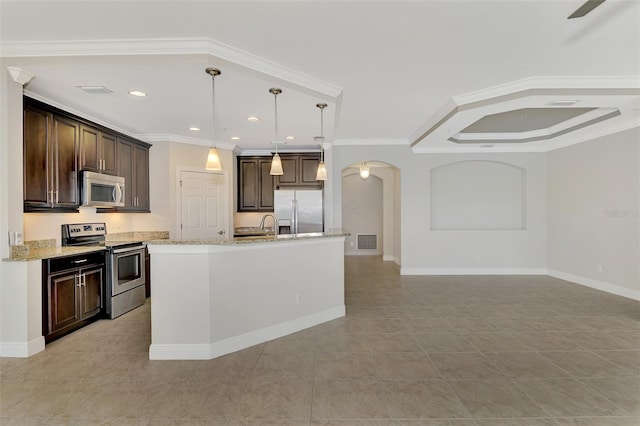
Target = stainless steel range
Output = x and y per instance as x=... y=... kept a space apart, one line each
x=125 y=265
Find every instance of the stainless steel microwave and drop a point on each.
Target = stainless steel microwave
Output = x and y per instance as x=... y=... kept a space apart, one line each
x=99 y=190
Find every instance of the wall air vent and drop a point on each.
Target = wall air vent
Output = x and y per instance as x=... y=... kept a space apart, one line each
x=367 y=241
x=94 y=89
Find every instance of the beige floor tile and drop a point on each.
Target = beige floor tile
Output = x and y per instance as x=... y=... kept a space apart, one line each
x=275 y=400
x=471 y=325
x=497 y=342
x=495 y=398
x=525 y=365
x=404 y=365
x=440 y=342
x=464 y=366
x=598 y=421
x=348 y=399
x=527 y=328
x=622 y=391
x=428 y=325
x=198 y=401
x=517 y=422
x=342 y=342
x=422 y=399
x=392 y=342
x=584 y=364
x=605 y=340
x=629 y=360
x=344 y=365
x=285 y=366
x=566 y=397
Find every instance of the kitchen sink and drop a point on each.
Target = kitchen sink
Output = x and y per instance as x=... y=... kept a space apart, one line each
x=252 y=231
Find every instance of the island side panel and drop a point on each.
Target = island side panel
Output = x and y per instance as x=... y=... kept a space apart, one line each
x=264 y=291
x=180 y=310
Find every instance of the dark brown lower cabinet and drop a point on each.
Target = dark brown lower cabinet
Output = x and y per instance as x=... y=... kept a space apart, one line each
x=72 y=295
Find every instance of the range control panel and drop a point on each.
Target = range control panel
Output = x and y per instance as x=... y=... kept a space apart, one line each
x=85 y=229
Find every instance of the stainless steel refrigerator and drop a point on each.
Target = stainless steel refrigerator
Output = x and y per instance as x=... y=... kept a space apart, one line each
x=299 y=211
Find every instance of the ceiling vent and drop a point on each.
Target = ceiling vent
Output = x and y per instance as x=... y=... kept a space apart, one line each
x=95 y=89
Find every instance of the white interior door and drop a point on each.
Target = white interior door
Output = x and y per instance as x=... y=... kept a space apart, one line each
x=203 y=206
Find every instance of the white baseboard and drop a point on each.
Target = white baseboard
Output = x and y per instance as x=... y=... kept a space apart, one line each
x=21 y=349
x=473 y=271
x=242 y=341
x=362 y=253
x=598 y=285
x=391 y=258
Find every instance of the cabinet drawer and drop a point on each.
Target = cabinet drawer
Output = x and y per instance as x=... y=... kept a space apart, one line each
x=76 y=261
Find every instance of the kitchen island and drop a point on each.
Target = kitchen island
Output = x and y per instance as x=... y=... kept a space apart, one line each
x=211 y=298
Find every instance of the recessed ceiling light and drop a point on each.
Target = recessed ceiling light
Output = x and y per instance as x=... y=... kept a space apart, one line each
x=253 y=118
x=235 y=138
x=290 y=138
x=137 y=93
x=563 y=102
x=195 y=129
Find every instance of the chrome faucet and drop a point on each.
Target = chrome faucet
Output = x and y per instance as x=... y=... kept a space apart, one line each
x=275 y=228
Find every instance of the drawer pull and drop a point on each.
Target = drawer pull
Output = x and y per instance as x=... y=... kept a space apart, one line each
x=79 y=261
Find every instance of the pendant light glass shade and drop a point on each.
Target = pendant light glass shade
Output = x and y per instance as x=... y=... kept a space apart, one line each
x=276 y=166
x=364 y=171
x=321 y=174
x=213 y=159
x=276 y=163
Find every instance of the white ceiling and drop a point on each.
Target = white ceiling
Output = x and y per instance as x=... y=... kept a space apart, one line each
x=386 y=69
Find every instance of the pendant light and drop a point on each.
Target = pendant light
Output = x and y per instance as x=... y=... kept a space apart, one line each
x=276 y=163
x=321 y=174
x=364 y=170
x=213 y=159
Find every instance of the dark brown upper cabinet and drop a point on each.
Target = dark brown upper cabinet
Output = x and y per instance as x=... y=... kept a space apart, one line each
x=59 y=145
x=50 y=156
x=97 y=151
x=299 y=171
x=255 y=184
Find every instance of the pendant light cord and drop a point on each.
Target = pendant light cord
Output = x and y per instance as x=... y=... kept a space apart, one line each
x=275 y=104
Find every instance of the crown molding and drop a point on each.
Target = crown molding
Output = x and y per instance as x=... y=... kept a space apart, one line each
x=477 y=149
x=372 y=142
x=169 y=46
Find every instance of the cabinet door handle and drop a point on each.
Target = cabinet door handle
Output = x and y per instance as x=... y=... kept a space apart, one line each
x=56 y=197
x=50 y=200
x=77 y=280
x=79 y=261
x=83 y=280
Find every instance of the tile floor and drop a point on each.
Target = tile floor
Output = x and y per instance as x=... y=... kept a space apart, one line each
x=456 y=351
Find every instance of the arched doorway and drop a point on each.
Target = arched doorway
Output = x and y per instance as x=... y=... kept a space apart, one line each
x=371 y=210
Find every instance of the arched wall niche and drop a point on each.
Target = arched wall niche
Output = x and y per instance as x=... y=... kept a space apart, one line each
x=477 y=195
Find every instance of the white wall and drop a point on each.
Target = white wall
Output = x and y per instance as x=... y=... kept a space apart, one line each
x=362 y=211
x=593 y=213
x=480 y=251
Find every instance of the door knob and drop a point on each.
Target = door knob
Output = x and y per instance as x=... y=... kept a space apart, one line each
x=220 y=232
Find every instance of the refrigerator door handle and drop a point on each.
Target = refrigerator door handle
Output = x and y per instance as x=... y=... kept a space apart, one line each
x=294 y=216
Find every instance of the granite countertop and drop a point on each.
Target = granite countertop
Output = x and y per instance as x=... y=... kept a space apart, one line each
x=51 y=252
x=47 y=249
x=254 y=239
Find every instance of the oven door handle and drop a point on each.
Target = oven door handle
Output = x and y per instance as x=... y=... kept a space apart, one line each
x=128 y=249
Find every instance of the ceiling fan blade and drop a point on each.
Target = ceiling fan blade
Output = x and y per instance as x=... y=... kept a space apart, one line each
x=585 y=8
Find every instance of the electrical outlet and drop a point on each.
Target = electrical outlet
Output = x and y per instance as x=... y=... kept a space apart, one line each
x=15 y=238
x=476 y=258
x=599 y=268
x=298 y=299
